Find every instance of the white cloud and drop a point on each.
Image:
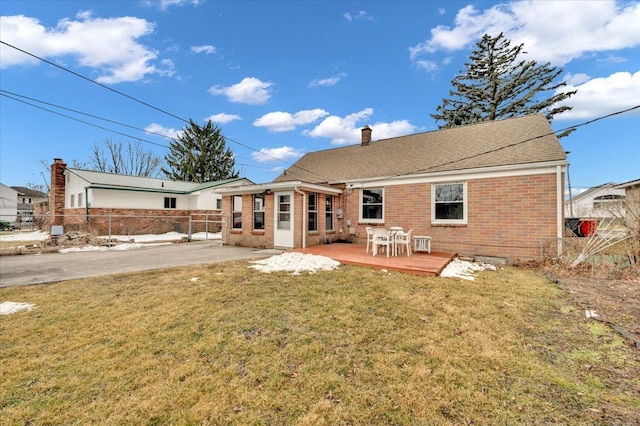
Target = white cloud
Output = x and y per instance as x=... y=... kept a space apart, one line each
x=330 y=81
x=108 y=46
x=341 y=130
x=166 y=4
x=157 y=129
x=558 y=32
x=208 y=49
x=602 y=96
x=279 y=121
x=427 y=65
x=391 y=130
x=250 y=91
x=285 y=153
x=359 y=15
x=223 y=118
x=347 y=130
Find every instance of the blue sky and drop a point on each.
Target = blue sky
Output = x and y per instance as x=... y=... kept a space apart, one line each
x=282 y=78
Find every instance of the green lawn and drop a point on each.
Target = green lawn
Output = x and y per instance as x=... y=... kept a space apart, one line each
x=350 y=346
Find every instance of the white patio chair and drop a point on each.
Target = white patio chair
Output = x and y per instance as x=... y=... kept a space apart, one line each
x=403 y=239
x=369 y=237
x=381 y=238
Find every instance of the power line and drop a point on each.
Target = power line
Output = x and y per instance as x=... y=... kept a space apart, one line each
x=150 y=106
x=83 y=122
x=95 y=82
x=553 y=133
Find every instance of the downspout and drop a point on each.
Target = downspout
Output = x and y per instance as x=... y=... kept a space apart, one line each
x=86 y=202
x=304 y=216
x=560 y=208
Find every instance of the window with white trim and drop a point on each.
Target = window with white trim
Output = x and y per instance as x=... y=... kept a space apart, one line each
x=72 y=201
x=80 y=199
x=328 y=212
x=449 y=203
x=236 y=212
x=258 y=211
x=372 y=205
x=312 y=224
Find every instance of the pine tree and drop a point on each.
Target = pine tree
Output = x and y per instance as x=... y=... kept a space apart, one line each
x=200 y=155
x=498 y=84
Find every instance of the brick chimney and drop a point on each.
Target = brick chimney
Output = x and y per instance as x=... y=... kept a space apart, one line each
x=366 y=136
x=56 y=197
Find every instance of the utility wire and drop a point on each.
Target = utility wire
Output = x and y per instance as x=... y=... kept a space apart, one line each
x=14 y=96
x=265 y=154
x=82 y=121
x=95 y=82
x=149 y=105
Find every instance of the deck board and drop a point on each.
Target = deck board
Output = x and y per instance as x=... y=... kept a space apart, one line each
x=354 y=254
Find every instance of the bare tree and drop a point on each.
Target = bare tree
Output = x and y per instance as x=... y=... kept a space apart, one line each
x=132 y=159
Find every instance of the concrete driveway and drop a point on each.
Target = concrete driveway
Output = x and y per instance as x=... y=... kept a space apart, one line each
x=53 y=267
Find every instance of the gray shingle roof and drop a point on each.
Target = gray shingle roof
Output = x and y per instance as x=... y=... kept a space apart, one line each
x=520 y=140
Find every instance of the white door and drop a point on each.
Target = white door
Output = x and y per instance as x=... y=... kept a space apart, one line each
x=283 y=220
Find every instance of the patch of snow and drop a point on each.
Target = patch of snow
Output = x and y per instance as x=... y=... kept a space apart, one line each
x=296 y=263
x=466 y=270
x=8 y=308
x=25 y=236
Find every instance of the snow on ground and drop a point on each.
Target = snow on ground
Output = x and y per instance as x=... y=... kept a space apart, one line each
x=296 y=263
x=290 y=262
x=129 y=242
x=25 y=236
x=7 y=308
x=169 y=236
x=464 y=269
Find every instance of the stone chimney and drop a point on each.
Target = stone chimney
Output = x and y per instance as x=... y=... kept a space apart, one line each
x=56 y=197
x=366 y=136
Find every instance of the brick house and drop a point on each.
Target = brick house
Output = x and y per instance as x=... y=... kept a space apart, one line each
x=140 y=205
x=491 y=189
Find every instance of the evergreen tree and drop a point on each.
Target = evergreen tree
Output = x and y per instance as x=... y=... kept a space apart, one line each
x=200 y=155
x=498 y=84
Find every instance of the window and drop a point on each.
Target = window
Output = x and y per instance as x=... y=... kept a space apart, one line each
x=372 y=205
x=73 y=201
x=328 y=211
x=284 y=212
x=169 y=202
x=258 y=211
x=313 y=212
x=608 y=203
x=449 y=202
x=219 y=204
x=80 y=200
x=237 y=212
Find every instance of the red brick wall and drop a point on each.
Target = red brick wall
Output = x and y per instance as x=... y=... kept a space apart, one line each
x=247 y=237
x=506 y=217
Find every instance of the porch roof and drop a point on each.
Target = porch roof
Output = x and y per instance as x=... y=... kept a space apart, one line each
x=278 y=186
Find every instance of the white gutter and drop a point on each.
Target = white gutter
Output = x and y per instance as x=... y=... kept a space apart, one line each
x=304 y=216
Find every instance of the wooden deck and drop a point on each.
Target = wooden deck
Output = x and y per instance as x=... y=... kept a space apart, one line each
x=354 y=254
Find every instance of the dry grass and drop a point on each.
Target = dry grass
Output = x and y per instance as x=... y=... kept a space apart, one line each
x=352 y=346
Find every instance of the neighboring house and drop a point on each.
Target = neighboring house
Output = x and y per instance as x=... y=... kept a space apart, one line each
x=632 y=205
x=80 y=196
x=604 y=201
x=30 y=203
x=8 y=204
x=491 y=189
